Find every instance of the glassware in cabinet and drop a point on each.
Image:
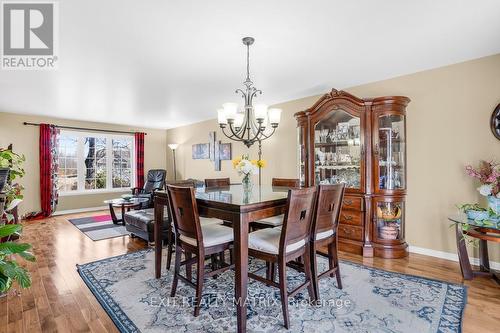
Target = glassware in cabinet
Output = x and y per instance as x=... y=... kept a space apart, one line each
x=390 y=149
x=337 y=150
x=301 y=155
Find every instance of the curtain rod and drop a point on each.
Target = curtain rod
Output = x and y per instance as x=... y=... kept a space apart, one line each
x=84 y=129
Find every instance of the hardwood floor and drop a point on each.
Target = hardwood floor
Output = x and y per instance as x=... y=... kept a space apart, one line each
x=60 y=301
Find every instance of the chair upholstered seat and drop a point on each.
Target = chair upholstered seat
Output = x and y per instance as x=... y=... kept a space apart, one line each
x=213 y=234
x=144 y=218
x=209 y=220
x=141 y=223
x=268 y=240
x=273 y=221
x=324 y=234
x=319 y=236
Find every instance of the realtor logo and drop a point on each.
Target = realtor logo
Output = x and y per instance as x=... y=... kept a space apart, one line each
x=29 y=35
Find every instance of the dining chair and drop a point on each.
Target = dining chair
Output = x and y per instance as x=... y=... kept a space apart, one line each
x=282 y=246
x=324 y=231
x=285 y=182
x=275 y=221
x=194 y=238
x=170 y=233
x=217 y=182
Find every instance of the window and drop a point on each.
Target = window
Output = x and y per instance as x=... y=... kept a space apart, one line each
x=90 y=162
x=67 y=163
x=122 y=166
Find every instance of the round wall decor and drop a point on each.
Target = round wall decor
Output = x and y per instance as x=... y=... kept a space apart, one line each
x=495 y=122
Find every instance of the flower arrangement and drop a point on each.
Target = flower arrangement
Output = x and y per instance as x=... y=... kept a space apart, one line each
x=488 y=174
x=246 y=167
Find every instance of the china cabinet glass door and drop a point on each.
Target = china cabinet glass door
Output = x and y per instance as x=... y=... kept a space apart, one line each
x=338 y=150
x=389 y=220
x=390 y=150
x=302 y=154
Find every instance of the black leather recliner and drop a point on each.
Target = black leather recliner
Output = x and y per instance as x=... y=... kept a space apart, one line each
x=156 y=180
x=140 y=223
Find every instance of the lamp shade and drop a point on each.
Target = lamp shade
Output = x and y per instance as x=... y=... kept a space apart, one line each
x=221 y=117
x=260 y=111
x=238 y=120
x=274 y=116
x=173 y=146
x=230 y=110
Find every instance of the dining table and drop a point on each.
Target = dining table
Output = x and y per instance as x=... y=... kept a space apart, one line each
x=238 y=207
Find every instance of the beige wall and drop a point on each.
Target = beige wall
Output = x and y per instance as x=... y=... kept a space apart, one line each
x=25 y=141
x=448 y=127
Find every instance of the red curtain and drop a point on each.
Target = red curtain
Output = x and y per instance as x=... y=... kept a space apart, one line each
x=48 y=171
x=139 y=159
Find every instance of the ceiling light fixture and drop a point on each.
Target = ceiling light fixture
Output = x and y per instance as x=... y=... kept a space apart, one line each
x=252 y=123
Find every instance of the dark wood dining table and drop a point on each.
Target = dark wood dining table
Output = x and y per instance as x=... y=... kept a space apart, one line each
x=238 y=207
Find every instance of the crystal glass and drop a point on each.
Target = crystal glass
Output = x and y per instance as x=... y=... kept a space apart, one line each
x=337 y=150
x=391 y=152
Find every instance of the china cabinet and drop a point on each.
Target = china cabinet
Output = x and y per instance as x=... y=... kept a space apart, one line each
x=361 y=143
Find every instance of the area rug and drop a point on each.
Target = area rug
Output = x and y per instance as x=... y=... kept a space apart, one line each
x=99 y=227
x=372 y=300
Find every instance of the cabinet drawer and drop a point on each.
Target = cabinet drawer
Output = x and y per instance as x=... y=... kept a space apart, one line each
x=352 y=203
x=351 y=232
x=351 y=217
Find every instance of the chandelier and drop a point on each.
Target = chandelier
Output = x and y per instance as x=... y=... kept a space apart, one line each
x=253 y=123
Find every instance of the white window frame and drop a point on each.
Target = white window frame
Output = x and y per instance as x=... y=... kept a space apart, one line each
x=81 y=135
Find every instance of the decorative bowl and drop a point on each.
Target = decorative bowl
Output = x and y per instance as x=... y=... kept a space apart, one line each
x=127 y=197
x=479 y=215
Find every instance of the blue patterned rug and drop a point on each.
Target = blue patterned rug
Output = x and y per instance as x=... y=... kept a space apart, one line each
x=372 y=300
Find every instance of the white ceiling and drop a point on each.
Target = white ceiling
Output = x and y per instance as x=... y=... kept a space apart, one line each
x=162 y=64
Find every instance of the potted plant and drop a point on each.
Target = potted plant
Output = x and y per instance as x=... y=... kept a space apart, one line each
x=12 y=162
x=4 y=174
x=474 y=211
x=488 y=175
x=10 y=270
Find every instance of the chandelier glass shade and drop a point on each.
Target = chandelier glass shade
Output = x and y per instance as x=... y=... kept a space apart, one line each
x=252 y=123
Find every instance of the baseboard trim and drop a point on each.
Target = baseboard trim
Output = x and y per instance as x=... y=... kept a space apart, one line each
x=79 y=210
x=449 y=256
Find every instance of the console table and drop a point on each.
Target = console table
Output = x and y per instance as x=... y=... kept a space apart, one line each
x=484 y=231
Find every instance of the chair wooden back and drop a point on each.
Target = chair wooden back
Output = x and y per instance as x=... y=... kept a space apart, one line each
x=184 y=183
x=328 y=204
x=298 y=216
x=185 y=212
x=286 y=182
x=217 y=182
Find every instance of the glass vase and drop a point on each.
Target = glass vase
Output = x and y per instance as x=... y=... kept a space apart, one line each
x=247 y=183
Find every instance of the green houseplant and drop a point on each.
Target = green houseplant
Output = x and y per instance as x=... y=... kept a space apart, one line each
x=10 y=270
x=13 y=163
